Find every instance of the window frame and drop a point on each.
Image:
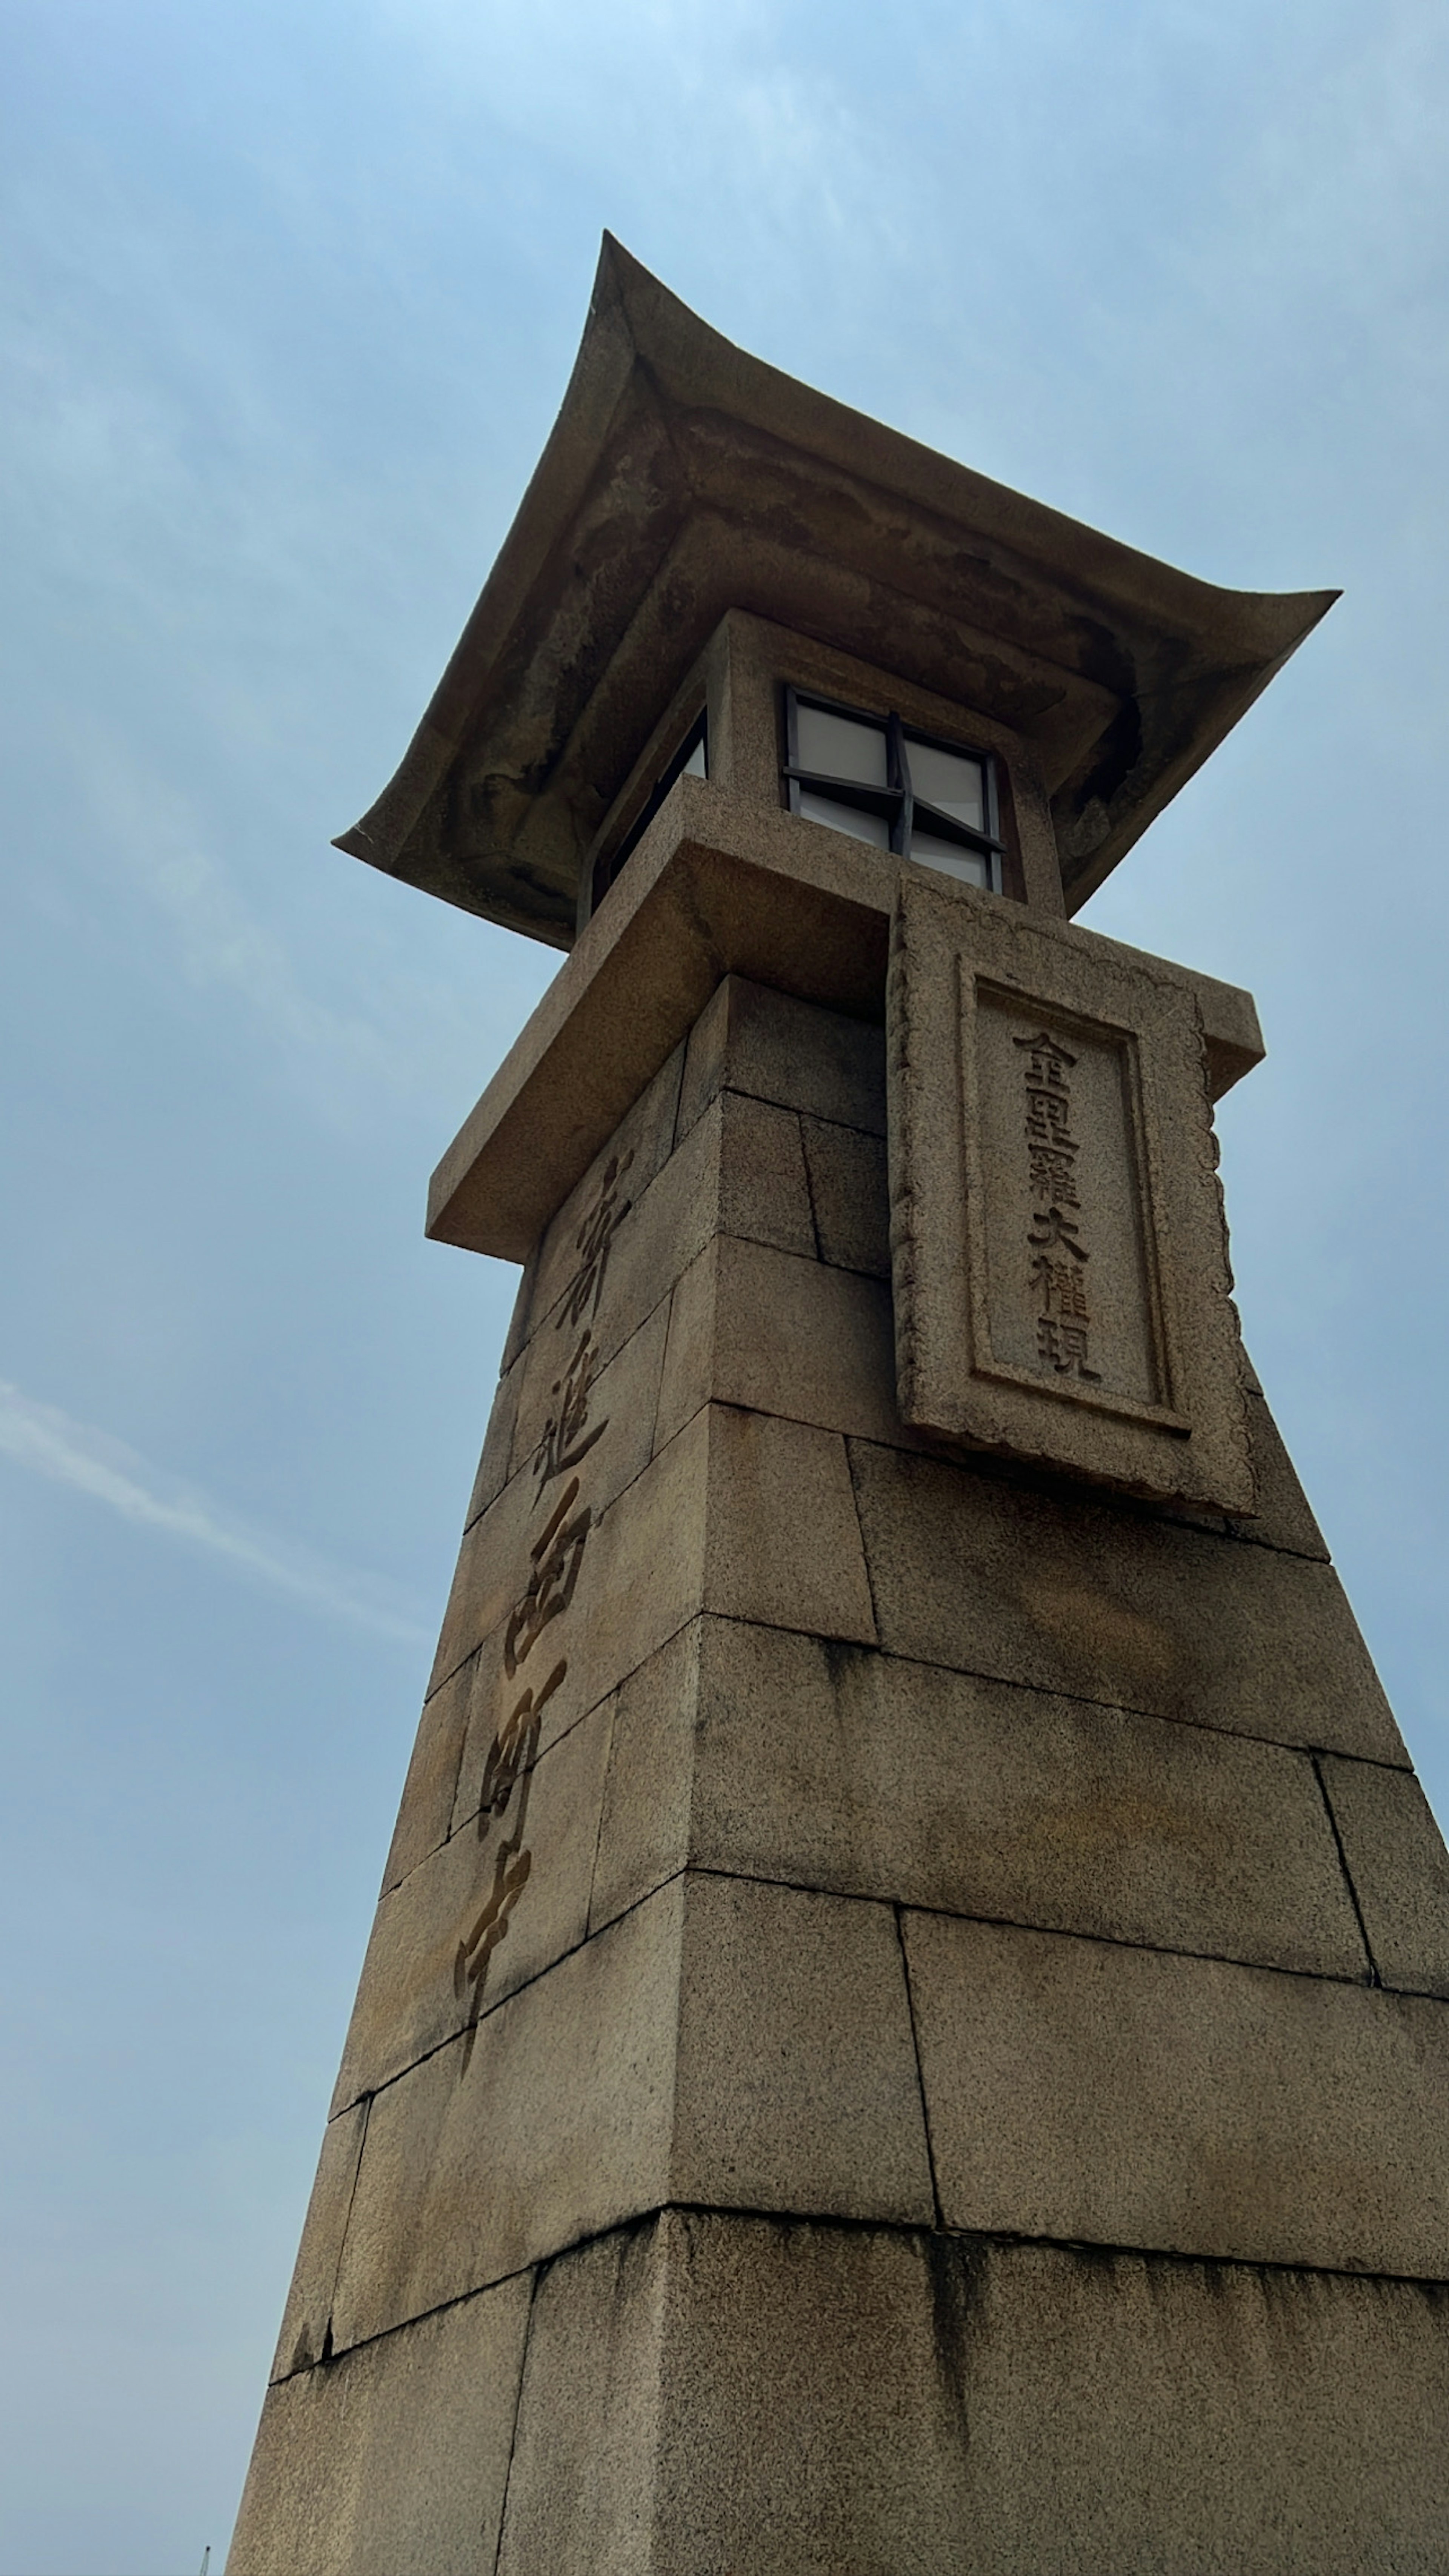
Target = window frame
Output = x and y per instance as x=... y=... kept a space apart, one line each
x=610 y=863
x=896 y=803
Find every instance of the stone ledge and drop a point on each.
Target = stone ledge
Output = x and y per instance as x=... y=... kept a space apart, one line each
x=716 y=887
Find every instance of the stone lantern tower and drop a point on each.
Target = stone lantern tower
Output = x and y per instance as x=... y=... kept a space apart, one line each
x=907 y=2028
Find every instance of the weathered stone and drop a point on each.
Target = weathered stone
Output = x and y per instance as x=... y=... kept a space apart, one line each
x=582 y=2487
x=1059 y=1254
x=395 y=2457
x=1283 y=1516
x=493 y=1465
x=716 y=2393
x=764 y=1190
x=759 y=1329
x=415 y=1991
x=1208 y=2419
x=637 y=1576
x=496 y=1559
x=723 y=2042
x=550 y=2122
x=639 y=1146
x=666 y=1232
x=776 y=1047
x=748 y=1750
x=674 y=445
x=425 y=1818
x=491 y=1570
x=780 y=898
x=1115 y=2096
x=617 y=1391
x=715 y=885
x=1093 y=1599
x=850 y=1195
x=307 y=2317
x=516 y=1337
x=741 y=1170
x=796 y=2084
x=644 y=1831
x=1395 y=1857
x=782 y=1543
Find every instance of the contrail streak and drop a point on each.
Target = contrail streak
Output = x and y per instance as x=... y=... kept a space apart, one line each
x=72 y=1453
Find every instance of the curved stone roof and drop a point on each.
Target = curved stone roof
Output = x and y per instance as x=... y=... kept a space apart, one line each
x=684 y=478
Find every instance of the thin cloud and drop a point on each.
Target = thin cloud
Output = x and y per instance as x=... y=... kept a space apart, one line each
x=41 y=1437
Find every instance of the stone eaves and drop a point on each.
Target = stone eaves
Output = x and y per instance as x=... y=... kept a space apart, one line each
x=684 y=478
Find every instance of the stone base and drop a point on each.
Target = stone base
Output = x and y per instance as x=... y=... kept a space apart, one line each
x=712 y=2395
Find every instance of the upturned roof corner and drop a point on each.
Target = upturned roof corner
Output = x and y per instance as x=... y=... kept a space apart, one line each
x=684 y=478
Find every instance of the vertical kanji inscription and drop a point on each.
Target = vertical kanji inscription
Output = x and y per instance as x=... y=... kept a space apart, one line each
x=1067 y=1297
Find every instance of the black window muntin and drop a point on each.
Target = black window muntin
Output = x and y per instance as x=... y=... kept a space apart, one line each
x=895 y=803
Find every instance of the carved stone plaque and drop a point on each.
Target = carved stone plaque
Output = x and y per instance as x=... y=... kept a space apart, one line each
x=1058 y=1247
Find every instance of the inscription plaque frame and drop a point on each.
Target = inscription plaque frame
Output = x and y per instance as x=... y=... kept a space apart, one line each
x=1058 y=1245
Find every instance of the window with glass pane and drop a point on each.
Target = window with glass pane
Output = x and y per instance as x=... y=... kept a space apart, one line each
x=873 y=777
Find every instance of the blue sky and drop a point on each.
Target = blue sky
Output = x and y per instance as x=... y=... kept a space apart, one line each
x=289 y=298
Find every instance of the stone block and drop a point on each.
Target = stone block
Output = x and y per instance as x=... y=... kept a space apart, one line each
x=729 y=2394
x=425 y=1817
x=850 y=1195
x=581 y=2491
x=796 y=2085
x=550 y=2122
x=308 y=2312
x=779 y=1048
x=496 y=1560
x=644 y=1833
x=394 y=2458
x=1395 y=1856
x=715 y=884
x=741 y=1169
x=1098 y=1601
x=665 y=1227
x=751 y=1517
x=893 y=2403
x=782 y=1543
x=734 y=2393
x=1138 y=2416
x=783 y=1758
x=487 y=1579
x=764 y=1194
x=413 y=1995
x=494 y=1464
x=1283 y=1517
x=1086 y=2091
x=581 y=1401
x=666 y=1230
x=642 y=1144
x=756 y=1328
x=516 y=1336
x=640 y=1575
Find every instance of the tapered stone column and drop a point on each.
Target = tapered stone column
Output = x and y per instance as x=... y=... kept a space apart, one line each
x=907 y=2028
x=905 y=2024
